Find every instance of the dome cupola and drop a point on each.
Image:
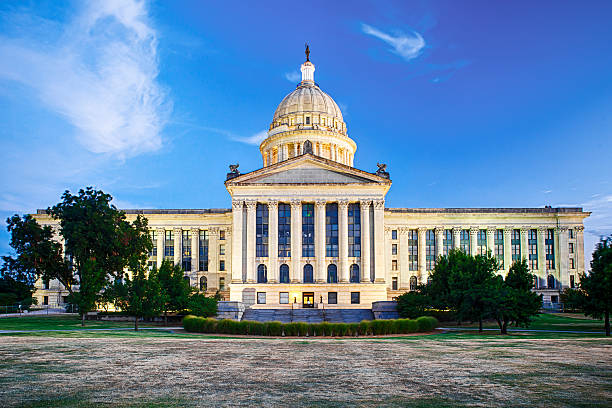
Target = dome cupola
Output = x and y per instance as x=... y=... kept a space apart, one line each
x=307 y=113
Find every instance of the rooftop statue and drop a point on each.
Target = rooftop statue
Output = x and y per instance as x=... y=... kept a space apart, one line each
x=307 y=52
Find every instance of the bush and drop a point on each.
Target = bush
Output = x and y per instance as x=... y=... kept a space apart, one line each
x=353 y=329
x=200 y=305
x=364 y=328
x=275 y=328
x=426 y=323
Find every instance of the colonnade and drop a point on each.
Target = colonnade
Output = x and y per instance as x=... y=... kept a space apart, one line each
x=284 y=151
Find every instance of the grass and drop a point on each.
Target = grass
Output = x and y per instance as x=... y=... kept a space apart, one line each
x=549 y=321
x=57 y=323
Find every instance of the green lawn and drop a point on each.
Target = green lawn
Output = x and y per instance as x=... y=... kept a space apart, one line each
x=57 y=322
x=548 y=321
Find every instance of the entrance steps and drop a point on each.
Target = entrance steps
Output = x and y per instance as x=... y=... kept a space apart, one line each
x=308 y=315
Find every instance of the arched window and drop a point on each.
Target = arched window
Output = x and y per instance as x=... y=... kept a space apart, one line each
x=354 y=273
x=308 y=276
x=203 y=284
x=332 y=274
x=186 y=279
x=284 y=273
x=262 y=274
x=413 y=283
x=551 y=282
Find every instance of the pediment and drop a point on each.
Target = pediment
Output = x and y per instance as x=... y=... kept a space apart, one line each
x=307 y=169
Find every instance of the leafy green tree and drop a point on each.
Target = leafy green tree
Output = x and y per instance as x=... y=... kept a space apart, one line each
x=200 y=305
x=572 y=299
x=15 y=292
x=413 y=304
x=175 y=289
x=140 y=295
x=101 y=242
x=597 y=285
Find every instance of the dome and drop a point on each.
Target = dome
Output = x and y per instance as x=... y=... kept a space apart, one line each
x=306 y=98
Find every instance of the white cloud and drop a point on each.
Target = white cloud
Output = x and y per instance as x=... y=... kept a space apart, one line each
x=256 y=139
x=100 y=74
x=407 y=46
x=293 y=76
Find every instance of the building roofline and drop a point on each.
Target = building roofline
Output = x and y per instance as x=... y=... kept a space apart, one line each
x=168 y=211
x=540 y=210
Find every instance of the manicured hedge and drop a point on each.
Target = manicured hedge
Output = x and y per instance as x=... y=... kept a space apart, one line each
x=365 y=328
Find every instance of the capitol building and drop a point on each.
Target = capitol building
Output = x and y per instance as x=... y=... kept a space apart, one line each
x=308 y=229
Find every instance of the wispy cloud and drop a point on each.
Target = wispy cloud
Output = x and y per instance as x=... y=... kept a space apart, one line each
x=407 y=45
x=293 y=76
x=99 y=73
x=256 y=139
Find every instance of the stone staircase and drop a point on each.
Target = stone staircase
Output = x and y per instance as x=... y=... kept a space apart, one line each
x=308 y=315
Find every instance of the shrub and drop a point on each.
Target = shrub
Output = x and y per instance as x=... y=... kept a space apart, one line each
x=275 y=328
x=353 y=329
x=302 y=329
x=364 y=328
x=189 y=323
x=291 y=329
x=242 y=327
x=201 y=305
x=412 y=304
x=314 y=330
x=426 y=323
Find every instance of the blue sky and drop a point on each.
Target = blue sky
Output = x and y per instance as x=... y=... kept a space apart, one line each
x=471 y=103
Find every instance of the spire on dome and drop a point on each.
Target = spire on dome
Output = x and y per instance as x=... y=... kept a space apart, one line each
x=307 y=68
x=307 y=52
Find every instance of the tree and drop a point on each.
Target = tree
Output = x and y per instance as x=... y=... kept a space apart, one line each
x=16 y=292
x=175 y=289
x=100 y=241
x=200 y=305
x=139 y=296
x=413 y=304
x=597 y=285
x=572 y=299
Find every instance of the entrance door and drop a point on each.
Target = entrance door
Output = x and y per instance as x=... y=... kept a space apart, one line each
x=308 y=299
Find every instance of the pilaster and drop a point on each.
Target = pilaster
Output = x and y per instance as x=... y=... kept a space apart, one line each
x=273 y=268
x=195 y=249
x=456 y=237
x=439 y=241
x=507 y=249
x=364 y=205
x=404 y=273
x=422 y=255
x=320 y=272
x=161 y=234
x=542 y=252
x=562 y=256
x=178 y=245
x=213 y=250
x=491 y=240
x=343 y=240
x=296 y=240
x=250 y=244
x=525 y=243
x=580 y=269
x=473 y=241
x=237 y=216
x=379 y=252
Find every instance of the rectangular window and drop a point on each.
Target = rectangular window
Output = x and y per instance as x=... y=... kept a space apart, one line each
x=308 y=231
x=550 y=249
x=221 y=265
x=308 y=120
x=498 y=245
x=261 y=298
x=532 y=242
x=169 y=246
x=394 y=283
x=332 y=298
x=222 y=235
x=283 y=298
x=203 y=250
x=331 y=230
x=45 y=300
x=447 y=241
x=46 y=284
x=516 y=245
x=354 y=230
x=482 y=242
x=572 y=263
x=393 y=234
x=355 y=298
x=153 y=252
x=222 y=249
x=572 y=281
x=570 y=233
x=393 y=249
x=221 y=283
x=261 y=230
x=430 y=249
x=464 y=241
x=571 y=247
x=394 y=265
x=284 y=230
x=186 y=253
x=413 y=250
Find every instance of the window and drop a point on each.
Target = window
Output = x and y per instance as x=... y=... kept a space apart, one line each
x=355 y=298
x=203 y=284
x=413 y=283
x=430 y=249
x=354 y=230
x=570 y=233
x=413 y=250
x=332 y=274
x=332 y=298
x=516 y=245
x=393 y=234
x=187 y=279
x=532 y=242
x=308 y=274
x=354 y=273
x=45 y=300
x=221 y=283
x=283 y=298
x=203 y=250
x=447 y=241
x=169 y=246
x=221 y=265
x=550 y=249
x=261 y=230
x=222 y=249
x=261 y=298
x=394 y=283
x=308 y=120
x=394 y=265
x=284 y=230
x=153 y=252
x=482 y=242
x=262 y=274
x=551 y=282
x=464 y=241
x=572 y=263
x=186 y=252
x=46 y=284
x=571 y=247
x=393 y=249
x=572 y=281
x=284 y=273
x=222 y=235
x=308 y=231
x=331 y=230
x=499 y=247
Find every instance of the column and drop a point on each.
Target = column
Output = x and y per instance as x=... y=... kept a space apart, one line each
x=195 y=249
x=285 y=152
x=525 y=243
x=439 y=241
x=296 y=241
x=178 y=245
x=456 y=237
x=343 y=240
x=507 y=249
x=228 y=251
x=542 y=253
x=379 y=237
x=491 y=240
x=250 y=244
x=295 y=150
x=213 y=251
x=321 y=276
x=562 y=256
x=161 y=235
x=579 y=255
x=237 y=207
x=473 y=241
x=273 y=267
x=365 y=240
x=404 y=273
x=422 y=254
